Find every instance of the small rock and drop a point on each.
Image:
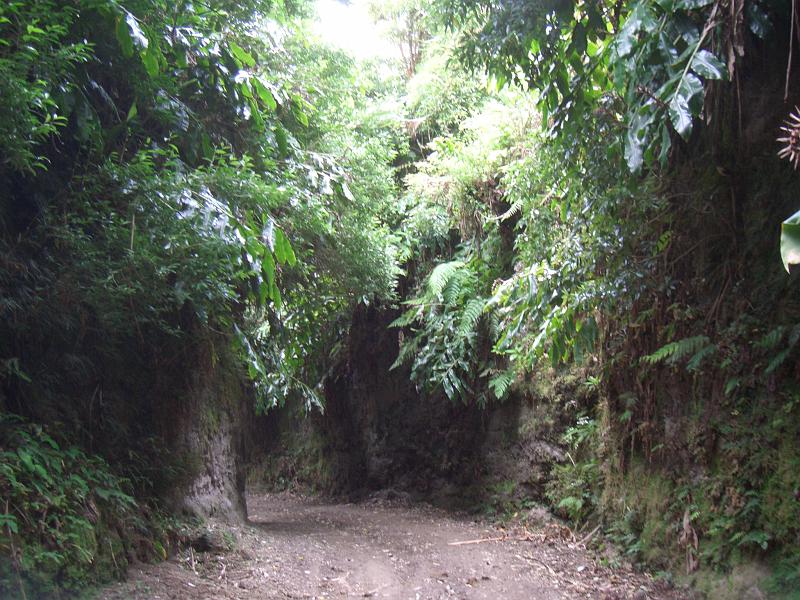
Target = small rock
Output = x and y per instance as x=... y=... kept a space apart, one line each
x=539 y=516
x=754 y=593
x=210 y=541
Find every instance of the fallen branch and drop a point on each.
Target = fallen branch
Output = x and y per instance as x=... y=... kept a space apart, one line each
x=480 y=541
x=589 y=536
x=544 y=564
x=371 y=593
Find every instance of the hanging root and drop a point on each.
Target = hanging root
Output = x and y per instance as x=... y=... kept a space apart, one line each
x=791 y=141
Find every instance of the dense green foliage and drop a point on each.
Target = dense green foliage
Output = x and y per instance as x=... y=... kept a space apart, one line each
x=539 y=185
x=60 y=509
x=645 y=64
x=644 y=248
x=179 y=182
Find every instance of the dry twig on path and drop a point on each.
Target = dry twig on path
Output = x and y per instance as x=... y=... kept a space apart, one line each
x=478 y=541
x=589 y=536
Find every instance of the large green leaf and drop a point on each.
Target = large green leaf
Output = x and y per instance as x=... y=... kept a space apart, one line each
x=268 y=266
x=641 y=18
x=680 y=111
x=130 y=35
x=757 y=20
x=282 y=140
x=241 y=55
x=709 y=66
x=692 y=4
x=150 y=61
x=636 y=138
x=790 y=241
x=124 y=37
x=282 y=247
x=264 y=93
x=291 y=257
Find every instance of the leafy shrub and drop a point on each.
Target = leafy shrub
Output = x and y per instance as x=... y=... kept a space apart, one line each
x=575 y=485
x=62 y=516
x=785 y=581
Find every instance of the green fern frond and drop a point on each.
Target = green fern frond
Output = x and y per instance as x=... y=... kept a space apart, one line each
x=455 y=288
x=406 y=319
x=674 y=351
x=777 y=360
x=500 y=384
x=470 y=315
x=771 y=342
x=440 y=275
x=772 y=338
x=408 y=350
x=514 y=209
x=794 y=336
x=493 y=321
x=697 y=358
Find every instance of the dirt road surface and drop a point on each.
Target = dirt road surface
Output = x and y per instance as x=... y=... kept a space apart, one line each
x=301 y=548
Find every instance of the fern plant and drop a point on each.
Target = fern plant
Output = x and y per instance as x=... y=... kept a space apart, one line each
x=451 y=332
x=698 y=347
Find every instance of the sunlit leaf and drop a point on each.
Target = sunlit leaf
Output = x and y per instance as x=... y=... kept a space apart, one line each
x=790 y=242
x=709 y=66
x=268 y=266
x=264 y=93
x=150 y=62
x=124 y=37
x=680 y=110
x=241 y=55
x=280 y=246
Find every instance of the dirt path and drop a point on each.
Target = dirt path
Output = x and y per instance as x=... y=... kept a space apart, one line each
x=300 y=548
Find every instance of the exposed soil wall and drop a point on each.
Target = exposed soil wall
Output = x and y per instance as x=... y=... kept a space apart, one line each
x=379 y=433
x=209 y=430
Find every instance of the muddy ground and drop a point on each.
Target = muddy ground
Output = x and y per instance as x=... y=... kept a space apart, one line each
x=296 y=547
